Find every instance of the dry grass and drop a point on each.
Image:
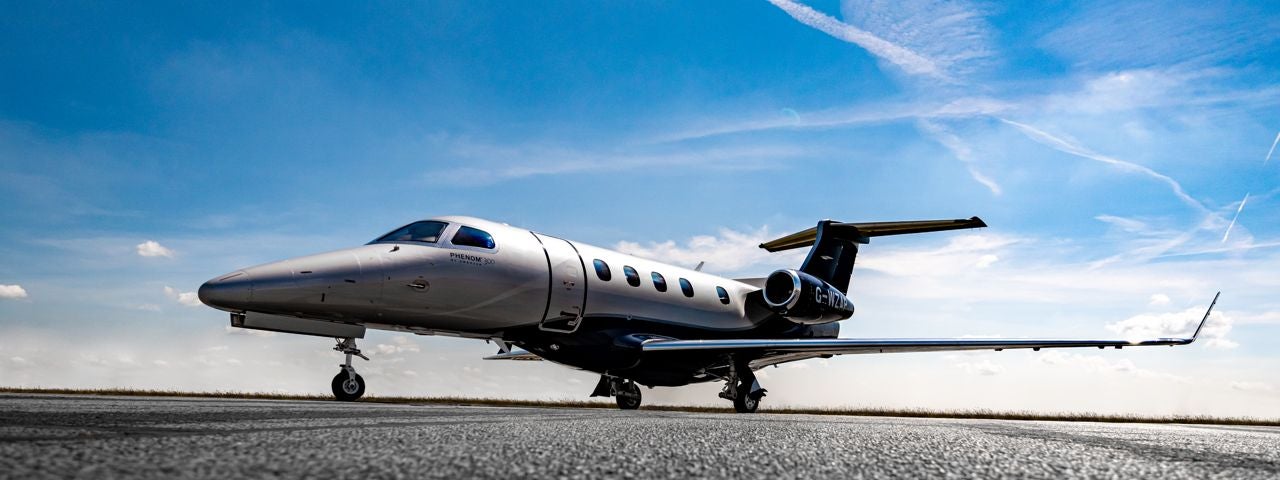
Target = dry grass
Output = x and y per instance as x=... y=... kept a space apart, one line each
x=502 y=402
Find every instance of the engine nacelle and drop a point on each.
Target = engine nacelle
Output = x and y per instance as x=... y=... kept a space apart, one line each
x=803 y=298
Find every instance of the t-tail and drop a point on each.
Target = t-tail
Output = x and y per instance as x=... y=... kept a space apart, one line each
x=816 y=292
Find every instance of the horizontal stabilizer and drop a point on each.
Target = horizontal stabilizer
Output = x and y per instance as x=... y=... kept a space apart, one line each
x=862 y=232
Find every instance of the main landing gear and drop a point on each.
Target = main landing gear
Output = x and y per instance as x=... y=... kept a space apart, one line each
x=742 y=387
x=347 y=384
x=625 y=392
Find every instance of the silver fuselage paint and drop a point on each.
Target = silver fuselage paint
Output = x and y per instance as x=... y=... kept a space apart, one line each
x=447 y=289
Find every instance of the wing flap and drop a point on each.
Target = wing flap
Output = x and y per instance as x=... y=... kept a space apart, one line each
x=515 y=355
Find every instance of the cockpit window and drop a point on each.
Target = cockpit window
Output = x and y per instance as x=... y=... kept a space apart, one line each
x=473 y=237
x=426 y=231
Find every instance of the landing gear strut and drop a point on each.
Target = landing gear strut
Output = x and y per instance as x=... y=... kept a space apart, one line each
x=347 y=384
x=742 y=388
x=625 y=392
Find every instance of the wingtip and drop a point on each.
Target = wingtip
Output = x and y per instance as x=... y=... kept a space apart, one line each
x=1204 y=320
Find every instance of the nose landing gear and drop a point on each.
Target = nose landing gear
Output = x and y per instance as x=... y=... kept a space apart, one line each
x=347 y=384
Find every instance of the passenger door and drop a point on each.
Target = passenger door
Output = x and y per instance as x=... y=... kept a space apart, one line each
x=567 y=292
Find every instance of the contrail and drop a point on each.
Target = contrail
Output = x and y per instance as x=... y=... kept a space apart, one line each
x=1273 y=149
x=903 y=57
x=1233 y=219
x=1065 y=146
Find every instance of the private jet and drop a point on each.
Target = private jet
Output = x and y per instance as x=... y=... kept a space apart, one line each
x=632 y=320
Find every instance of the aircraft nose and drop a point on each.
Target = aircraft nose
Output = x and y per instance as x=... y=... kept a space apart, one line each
x=231 y=292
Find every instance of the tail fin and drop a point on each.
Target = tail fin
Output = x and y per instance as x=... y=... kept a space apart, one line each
x=835 y=244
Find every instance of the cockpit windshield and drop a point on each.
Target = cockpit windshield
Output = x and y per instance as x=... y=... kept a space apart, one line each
x=427 y=231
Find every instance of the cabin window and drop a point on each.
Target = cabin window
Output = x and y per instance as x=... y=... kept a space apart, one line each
x=724 y=295
x=602 y=270
x=686 y=287
x=426 y=232
x=633 y=278
x=473 y=237
x=659 y=282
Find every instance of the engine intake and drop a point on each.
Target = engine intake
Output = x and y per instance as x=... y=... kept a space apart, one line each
x=803 y=298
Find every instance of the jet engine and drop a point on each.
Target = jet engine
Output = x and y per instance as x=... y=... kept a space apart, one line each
x=803 y=298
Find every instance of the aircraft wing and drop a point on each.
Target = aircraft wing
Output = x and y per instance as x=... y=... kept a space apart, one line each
x=799 y=349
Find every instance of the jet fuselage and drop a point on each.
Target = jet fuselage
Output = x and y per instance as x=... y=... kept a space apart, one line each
x=568 y=302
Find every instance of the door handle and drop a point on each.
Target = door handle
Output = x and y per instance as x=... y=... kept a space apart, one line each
x=418 y=284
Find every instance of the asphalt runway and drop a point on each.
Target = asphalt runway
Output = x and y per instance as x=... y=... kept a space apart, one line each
x=63 y=436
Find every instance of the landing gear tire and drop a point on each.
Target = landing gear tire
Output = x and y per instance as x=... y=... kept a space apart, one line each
x=745 y=402
x=741 y=387
x=347 y=384
x=347 y=387
x=629 y=398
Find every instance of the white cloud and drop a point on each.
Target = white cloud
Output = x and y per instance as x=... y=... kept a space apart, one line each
x=1176 y=325
x=1259 y=318
x=1252 y=386
x=951 y=33
x=986 y=260
x=12 y=292
x=152 y=248
x=730 y=251
x=1127 y=225
x=248 y=331
x=983 y=367
x=960 y=254
x=1158 y=299
x=904 y=58
x=1103 y=365
x=189 y=299
x=399 y=344
x=1128 y=90
x=1102 y=35
x=479 y=163
x=1222 y=343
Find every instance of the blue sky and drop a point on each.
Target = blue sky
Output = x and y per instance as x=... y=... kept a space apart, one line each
x=1108 y=147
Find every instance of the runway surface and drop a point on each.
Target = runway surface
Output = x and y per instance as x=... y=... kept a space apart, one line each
x=48 y=436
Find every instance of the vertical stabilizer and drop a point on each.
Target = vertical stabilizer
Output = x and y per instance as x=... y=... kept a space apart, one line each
x=831 y=258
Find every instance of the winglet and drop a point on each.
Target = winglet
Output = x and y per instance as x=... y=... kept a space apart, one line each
x=1206 y=317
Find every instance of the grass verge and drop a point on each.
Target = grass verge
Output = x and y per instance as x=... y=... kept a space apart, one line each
x=859 y=412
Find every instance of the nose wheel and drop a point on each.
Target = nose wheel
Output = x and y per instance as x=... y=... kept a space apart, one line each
x=348 y=386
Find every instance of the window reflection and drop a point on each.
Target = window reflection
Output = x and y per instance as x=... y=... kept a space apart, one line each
x=659 y=282
x=426 y=231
